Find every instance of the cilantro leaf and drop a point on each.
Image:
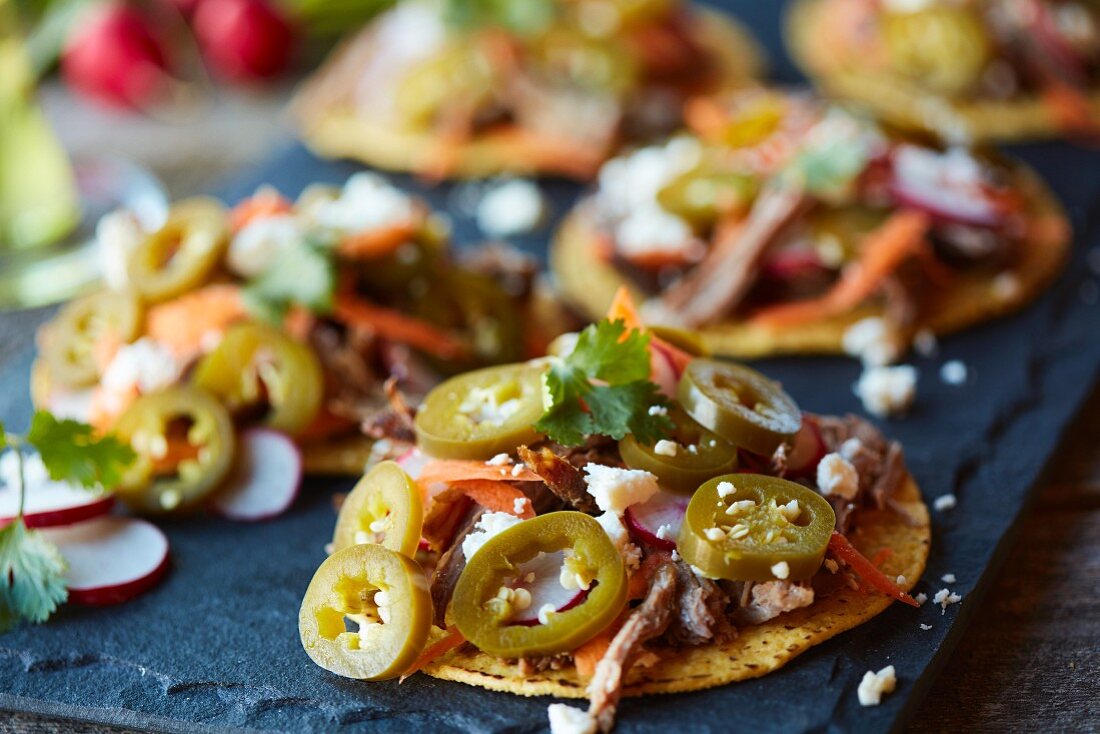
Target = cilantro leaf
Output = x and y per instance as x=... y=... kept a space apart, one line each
x=619 y=402
x=303 y=274
x=526 y=18
x=32 y=576
x=3 y=437
x=72 y=453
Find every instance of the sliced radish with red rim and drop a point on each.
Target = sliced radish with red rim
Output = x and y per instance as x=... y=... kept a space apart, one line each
x=545 y=587
x=265 y=480
x=657 y=521
x=946 y=186
x=413 y=462
x=808 y=449
x=111 y=559
x=47 y=503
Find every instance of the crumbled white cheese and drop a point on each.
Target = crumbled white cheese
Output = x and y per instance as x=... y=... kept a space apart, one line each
x=117 y=234
x=874 y=685
x=256 y=247
x=490 y=524
x=715 y=534
x=920 y=598
x=664 y=532
x=664 y=447
x=651 y=230
x=944 y=502
x=925 y=342
x=954 y=372
x=742 y=506
x=945 y=598
x=519 y=506
x=620 y=538
x=887 y=391
x=615 y=489
x=676 y=555
x=1005 y=286
x=146 y=365
x=725 y=489
x=499 y=460
x=948 y=578
x=631 y=182
x=657 y=410
x=781 y=570
x=836 y=475
x=367 y=202
x=873 y=341
x=509 y=208
x=900 y=580
x=926 y=627
x=566 y=719
x=517 y=470
x=483 y=405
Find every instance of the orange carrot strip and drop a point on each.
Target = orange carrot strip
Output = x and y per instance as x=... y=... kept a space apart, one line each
x=496 y=496
x=869 y=572
x=456 y=470
x=623 y=309
x=588 y=655
x=377 y=242
x=1071 y=109
x=881 y=555
x=884 y=250
x=453 y=639
x=182 y=324
x=398 y=327
x=264 y=203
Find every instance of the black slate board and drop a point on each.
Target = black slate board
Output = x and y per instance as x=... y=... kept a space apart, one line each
x=215 y=646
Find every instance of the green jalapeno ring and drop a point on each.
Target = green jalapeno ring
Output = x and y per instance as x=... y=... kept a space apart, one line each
x=739 y=404
x=68 y=343
x=480 y=414
x=209 y=433
x=499 y=559
x=699 y=455
x=386 y=501
x=254 y=363
x=760 y=536
x=183 y=253
x=346 y=585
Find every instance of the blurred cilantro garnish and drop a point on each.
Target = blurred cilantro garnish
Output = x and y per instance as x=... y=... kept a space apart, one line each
x=304 y=274
x=602 y=388
x=525 y=17
x=72 y=453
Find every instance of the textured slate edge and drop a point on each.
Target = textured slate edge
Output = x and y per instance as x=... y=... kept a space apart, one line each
x=112 y=717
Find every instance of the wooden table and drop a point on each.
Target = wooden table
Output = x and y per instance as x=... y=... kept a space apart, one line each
x=1030 y=660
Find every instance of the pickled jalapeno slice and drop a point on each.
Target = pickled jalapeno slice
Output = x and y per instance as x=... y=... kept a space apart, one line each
x=69 y=343
x=688 y=457
x=182 y=254
x=384 y=508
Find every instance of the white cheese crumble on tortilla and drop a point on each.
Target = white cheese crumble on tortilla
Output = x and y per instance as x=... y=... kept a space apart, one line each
x=616 y=489
x=836 y=475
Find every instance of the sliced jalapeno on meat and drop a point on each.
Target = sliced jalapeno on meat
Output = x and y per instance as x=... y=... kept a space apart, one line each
x=184 y=442
x=69 y=342
x=752 y=527
x=257 y=367
x=460 y=74
x=689 y=457
x=943 y=48
x=385 y=593
x=384 y=508
x=739 y=404
x=488 y=598
x=701 y=196
x=481 y=414
x=182 y=254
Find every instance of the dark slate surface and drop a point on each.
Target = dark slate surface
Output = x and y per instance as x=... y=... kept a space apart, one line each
x=215 y=646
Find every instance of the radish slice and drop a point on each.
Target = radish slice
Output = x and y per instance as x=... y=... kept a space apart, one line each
x=948 y=186
x=71 y=404
x=663 y=371
x=792 y=264
x=545 y=587
x=663 y=510
x=111 y=559
x=265 y=480
x=48 y=503
x=808 y=450
x=413 y=462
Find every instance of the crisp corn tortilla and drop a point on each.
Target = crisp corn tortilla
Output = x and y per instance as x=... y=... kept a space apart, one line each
x=757 y=650
x=897 y=100
x=331 y=128
x=589 y=283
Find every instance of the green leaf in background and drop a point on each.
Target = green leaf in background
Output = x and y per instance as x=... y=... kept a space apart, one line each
x=32 y=576
x=72 y=453
x=304 y=274
x=835 y=154
x=525 y=17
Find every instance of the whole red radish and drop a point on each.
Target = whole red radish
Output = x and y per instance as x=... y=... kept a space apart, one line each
x=244 y=40
x=115 y=57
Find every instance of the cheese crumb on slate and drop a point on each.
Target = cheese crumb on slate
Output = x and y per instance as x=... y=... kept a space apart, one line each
x=921 y=598
x=954 y=372
x=874 y=685
x=925 y=343
x=946 y=598
x=926 y=627
x=944 y=502
x=948 y=578
x=511 y=208
x=836 y=475
x=887 y=391
x=872 y=340
x=566 y=719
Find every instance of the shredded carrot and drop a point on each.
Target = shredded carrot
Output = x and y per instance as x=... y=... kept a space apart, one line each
x=588 y=655
x=299 y=322
x=457 y=470
x=539 y=151
x=881 y=555
x=869 y=572
x=398 y=327
x=1071 y=109
x=177 y=451
x=623 y=309
x=884 y=250
x=266 y=202
x=452 y=640
x=182 y=324
x=705 y=116
x=378 y=242
x=445 y=511
x=496 y=496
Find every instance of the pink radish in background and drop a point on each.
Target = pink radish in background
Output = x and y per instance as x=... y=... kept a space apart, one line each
x=265 y=480
x=545 y=588
x=807 y=451
x=48 y=503
x=111 y=559
x=664 y=510
x=244 y=40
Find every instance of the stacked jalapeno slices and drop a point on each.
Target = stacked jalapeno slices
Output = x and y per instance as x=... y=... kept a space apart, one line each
x=210 y=325
x=548 y=584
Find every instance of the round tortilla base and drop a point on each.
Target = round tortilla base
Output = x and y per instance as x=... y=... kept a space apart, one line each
x=589 y=283
x=339 y=132
x=757 y=650
x=897 y=100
